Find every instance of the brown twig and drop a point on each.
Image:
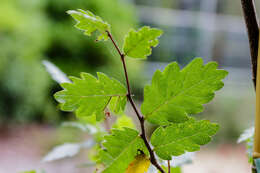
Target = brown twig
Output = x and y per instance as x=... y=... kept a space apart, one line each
x=169 y=166
x=252 y=31
x=140 y=117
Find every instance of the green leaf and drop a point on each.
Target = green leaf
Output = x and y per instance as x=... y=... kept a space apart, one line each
x=138 y=44
x=90 y=23
x=121 y=147
x=174 y=93
x=124 y=121
x=90 y=96
x=176 y=139
x=173 y=169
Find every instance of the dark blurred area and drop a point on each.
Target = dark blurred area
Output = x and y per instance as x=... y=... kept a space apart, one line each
x=36 y=30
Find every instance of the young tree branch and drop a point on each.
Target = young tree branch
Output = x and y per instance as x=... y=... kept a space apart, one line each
x=250 y=16
x=140 y=117
x=169 y=166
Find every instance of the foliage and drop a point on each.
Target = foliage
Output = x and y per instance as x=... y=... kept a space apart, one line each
x=138 y=44
x=140 y=164
x=168 y=102
x=88 y=22
x=175 y=139
x=248 y=137
x=90 y=96
x=121 y=147
x=174 y=94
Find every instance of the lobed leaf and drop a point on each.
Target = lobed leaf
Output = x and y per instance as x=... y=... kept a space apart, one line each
x=176 y=139
x=90 y=23
x=174 y=93
x=90 y=96
x=121 y=147
x=138 y=44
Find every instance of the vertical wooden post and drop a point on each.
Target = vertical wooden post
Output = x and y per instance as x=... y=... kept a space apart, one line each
x=256 y=153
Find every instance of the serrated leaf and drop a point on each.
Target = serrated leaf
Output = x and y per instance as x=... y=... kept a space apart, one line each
x=90 y=23
x=90 y=96
x=176 y=139
x=124 y=121
x=121 y=147
x=174 y=93
x=139 y=165
x=138 y=44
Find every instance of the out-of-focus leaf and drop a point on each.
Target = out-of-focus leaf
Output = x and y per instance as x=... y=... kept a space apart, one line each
x=257 y=164
x=248 y=137
x=248 y=133
x=139 y=165
x=91 y=129
x=124 y=121
x=66 y=150
x=90 y=23
x=56 y=74
x=138 y=44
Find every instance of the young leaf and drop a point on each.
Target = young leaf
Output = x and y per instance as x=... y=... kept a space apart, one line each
x=90 y=96
x=90 y=23
x=138 y=44
x=173 y=169
x=139 y=165
x=176 y=139
x=121 y=147
x=124 y=121
x=175 y=93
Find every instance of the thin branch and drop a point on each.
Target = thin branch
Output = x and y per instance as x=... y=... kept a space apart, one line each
x=140 y=117
x=252 y=31
x=169 y=166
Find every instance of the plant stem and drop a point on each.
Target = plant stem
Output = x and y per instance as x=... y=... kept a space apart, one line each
x=252 y=31
x=169 y=166
x=140 y=117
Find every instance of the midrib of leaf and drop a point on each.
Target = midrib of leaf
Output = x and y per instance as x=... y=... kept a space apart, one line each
x=139 y=42
x=123 y=151
x=168 y=100
x=108 y=95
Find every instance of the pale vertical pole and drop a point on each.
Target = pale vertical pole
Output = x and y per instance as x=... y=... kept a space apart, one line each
x=256 y=153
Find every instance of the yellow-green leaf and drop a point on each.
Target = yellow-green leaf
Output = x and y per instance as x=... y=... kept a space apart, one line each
x=139 y=165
